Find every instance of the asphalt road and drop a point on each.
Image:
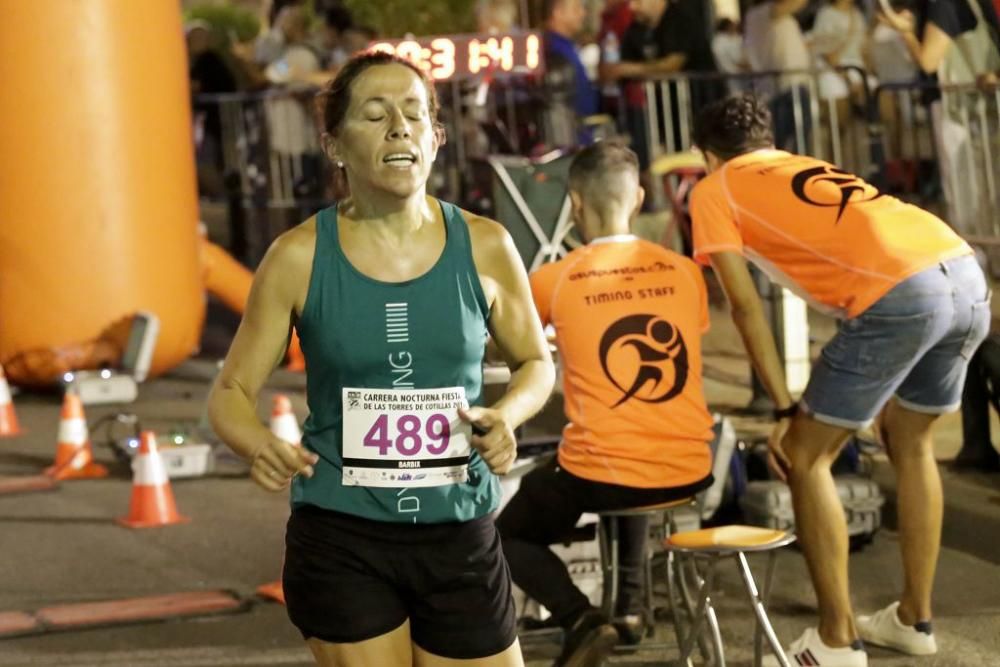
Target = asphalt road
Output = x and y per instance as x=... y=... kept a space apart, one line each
x=64 y=546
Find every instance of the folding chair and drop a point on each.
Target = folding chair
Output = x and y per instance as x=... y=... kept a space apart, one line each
x=531 y=200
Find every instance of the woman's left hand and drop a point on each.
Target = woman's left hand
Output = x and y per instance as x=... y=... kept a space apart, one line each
x=496 y=444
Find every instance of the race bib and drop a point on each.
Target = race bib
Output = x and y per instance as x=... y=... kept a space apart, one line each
x=405 y=438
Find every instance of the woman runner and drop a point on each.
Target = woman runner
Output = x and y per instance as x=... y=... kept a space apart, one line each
x=391 y=557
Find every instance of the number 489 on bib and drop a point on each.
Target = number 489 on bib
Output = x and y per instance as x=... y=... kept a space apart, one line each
x=407 y=435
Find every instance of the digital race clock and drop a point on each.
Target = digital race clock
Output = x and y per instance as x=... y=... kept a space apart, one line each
x=463 y=56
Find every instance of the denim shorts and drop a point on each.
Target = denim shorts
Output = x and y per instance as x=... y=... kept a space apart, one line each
x=914 y=342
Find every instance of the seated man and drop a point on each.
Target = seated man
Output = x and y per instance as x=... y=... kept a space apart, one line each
x=913 y=304
x=628 y=316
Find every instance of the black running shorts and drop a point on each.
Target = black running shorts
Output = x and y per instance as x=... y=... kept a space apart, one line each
x=348 y=579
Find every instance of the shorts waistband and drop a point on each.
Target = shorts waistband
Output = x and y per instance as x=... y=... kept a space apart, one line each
x=389 y=531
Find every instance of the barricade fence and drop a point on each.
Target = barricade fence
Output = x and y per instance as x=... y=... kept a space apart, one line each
x=943 y=152
x=260 y=153
x=825 y=113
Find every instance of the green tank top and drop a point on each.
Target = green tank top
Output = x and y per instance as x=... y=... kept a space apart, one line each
x=370 y=347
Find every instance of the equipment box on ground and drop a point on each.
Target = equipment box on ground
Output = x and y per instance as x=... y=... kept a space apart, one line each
x=769 y=504
x=187 y=460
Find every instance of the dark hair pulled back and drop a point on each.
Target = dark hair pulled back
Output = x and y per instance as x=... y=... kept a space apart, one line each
x=333 y=101
x=336 y=97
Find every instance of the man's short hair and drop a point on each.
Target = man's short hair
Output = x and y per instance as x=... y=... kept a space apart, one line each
x=597 y=170
x=733 y=126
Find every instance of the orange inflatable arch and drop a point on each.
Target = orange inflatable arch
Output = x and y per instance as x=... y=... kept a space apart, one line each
x=98 y=201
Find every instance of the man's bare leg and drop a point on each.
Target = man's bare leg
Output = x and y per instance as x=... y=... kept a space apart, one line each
x=812 y=447
x=907 y=436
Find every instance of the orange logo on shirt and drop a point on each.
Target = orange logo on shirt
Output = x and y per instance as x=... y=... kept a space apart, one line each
x=808 y=186
x=645 y=357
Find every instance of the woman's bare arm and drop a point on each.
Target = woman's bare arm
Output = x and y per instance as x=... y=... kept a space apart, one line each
x=259 y=346
x=518 y=334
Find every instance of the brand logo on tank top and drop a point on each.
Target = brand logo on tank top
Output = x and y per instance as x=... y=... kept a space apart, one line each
x=397 y=332
x=397 y=323
x=645 y=357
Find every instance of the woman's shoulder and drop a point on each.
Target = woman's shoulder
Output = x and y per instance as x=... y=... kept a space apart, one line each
x=295 y=247
x=486 y=230
x=490 y=241
x=482 y=230
x=489 y=238
x=301 y=235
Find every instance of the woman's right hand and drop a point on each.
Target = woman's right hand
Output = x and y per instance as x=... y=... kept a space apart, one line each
x=276 y=462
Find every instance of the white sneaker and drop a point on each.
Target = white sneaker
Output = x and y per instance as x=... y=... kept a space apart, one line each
x=810 y=651
x=885 y=629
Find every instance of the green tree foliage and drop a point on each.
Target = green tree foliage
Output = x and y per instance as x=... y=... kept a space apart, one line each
x=229 y=22
x=395 y=18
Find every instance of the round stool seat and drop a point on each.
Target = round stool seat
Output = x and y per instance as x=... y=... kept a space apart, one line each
x=648 y=509
x=730 y=538
x=692 y=161
x=597 y=119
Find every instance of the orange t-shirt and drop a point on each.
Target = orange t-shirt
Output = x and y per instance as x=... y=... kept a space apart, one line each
x=628 y=316
x=823 y=233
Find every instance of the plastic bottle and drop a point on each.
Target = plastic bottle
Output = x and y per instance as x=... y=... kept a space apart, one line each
x=610 y=55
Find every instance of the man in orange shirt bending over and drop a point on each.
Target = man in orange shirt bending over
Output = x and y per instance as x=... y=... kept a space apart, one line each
x=913 y=305
x=628 y=316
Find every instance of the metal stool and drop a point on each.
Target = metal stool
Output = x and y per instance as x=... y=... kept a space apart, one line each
x=607 y=536
x=714 y=544
x=679 y=173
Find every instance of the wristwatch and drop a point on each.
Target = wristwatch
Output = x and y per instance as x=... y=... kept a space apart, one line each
x=785 y=413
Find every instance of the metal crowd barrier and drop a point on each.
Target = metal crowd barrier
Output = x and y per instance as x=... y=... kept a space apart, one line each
x=260 y=152
x=936 y=146
x=268 y=139
x=943 y=152
x=843 y=131
x=260 y=155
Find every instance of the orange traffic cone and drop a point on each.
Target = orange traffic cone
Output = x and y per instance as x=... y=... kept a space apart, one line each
x=296 y=360
x=8 y=420
x=152 y=499
x=285 y=426
x=74 y=456
x=272 y=591
x=283 y=422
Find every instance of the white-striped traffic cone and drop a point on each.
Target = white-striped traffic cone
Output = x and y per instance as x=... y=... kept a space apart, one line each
x=8 y=419
x=152 y=501
x=74 y=455
x=283 y=423
x=285 y=426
